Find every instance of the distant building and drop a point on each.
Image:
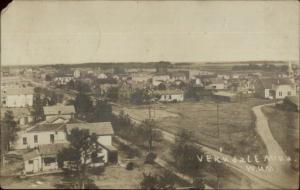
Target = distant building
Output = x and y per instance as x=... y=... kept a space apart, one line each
x=225 y=96
x=59 y=110
x=63 y=79
x=274 y=88
x=170 y=95
x=17 y=97
x=77 y=73
x=42 y=134
x=215 y=84
x=157 y=79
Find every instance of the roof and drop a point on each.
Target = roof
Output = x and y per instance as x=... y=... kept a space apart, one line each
x=52 y=149
x=55 y=118
x=20 y=91
x=168 y=92
x=268 y=82
x=224 y=93
x=47 y=127
x=32 y=154
x=53 y=110
x=100 y=128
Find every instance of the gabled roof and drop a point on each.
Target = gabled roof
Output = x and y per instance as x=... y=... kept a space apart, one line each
x=52 y=149
x=54 y=110
x=100 y=128
x=47 y=127
x=268 y=82
x=32 y=154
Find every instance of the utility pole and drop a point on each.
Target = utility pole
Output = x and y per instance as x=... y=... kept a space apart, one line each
x=218 y=120
x=150 y=124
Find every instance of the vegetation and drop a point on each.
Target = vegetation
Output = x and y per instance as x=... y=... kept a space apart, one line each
x=140 y=96
x=165 y=180
x=83 y=104
x=79 y=156
x=185 y=153
x=9 y=130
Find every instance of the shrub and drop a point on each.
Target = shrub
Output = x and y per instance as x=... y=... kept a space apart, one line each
x=150 y=158
x=130 y=166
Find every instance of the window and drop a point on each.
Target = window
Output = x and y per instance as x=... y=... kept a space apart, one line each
x=30 y=161
x=170 y=96
x=24 y=140
x=35 y=138
x=59 y=112
x=52 y=138
x=289 y=93
x=280 y=93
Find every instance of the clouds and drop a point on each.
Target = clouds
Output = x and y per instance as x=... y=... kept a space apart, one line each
x=43 y=32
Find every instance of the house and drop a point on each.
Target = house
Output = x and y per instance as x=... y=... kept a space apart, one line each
x=21 y=115
x=215 y=84
x=77 y=73
x=291 y=103
x=170 y=95
x=17 y=97
x=42 y=159
x=102 y=76
x=63 y=79
x=59 y=110
x=274 y=88
x=225 y=96
x=41 y=134
x=104 y=132
x=180 y=75
x=160 y=78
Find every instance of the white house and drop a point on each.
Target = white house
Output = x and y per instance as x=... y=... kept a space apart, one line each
x=216 y=84
x=170 y=95
x=59 y=110
x=104 y=132
x=157 y=79
x=102 y=76
x=42 y=134
x=17 y=97
x=42 y=159
x=63 y=79
x=77 y=73
x=271 y=88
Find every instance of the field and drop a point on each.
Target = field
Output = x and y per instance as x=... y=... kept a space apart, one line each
x=236 y=123
x=284 y=127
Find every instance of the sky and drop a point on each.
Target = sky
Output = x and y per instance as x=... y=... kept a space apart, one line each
x=55 y=32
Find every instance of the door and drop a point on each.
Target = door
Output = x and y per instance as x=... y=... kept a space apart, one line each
x=35 y=166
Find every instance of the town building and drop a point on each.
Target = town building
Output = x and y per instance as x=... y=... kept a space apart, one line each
x=170 y=95
x=67 y=112
x=21 y=115
x=17 y=97
x=63 y=79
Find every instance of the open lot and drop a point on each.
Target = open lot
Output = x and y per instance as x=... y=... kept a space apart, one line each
x=236 y=123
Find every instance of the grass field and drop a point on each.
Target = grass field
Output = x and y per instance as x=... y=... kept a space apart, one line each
x=284 y=127
x=236 y=123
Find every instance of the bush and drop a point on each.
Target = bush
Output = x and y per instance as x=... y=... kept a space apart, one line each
x=150 y=158
x=130 y=166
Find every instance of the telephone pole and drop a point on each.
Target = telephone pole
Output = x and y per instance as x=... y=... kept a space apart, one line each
x=218 y=120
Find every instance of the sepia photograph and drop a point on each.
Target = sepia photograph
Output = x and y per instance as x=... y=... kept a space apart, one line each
x=150 y=94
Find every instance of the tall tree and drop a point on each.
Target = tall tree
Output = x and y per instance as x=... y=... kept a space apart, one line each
x=113 y=93
x=102 y=112
x=9 y=130
x=37 y=111
x=80 y=155
x=83 y=104
x=185 y=153
x=149 y=133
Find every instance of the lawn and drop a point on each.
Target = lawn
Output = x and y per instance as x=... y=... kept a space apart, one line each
x=236 y=123
x=284 y=127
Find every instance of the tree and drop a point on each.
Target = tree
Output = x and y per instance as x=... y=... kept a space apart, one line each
x=102 y=112
x=8 y=131
x=38 y=112
x=140 y=96
x=80 y=155
x=218 y=169
x=165 y=180
x=83 y=104
x=185 y=153
x=113 y=93
x=148 y=132
x=198 y=183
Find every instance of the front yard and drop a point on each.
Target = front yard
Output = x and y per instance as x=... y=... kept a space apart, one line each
x=236 y=123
